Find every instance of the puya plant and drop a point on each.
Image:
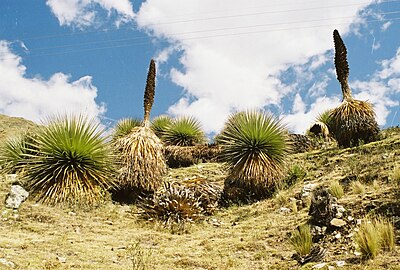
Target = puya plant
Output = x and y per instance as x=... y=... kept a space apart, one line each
x=353 y=121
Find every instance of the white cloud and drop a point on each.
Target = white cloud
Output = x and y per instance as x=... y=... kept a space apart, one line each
x=82 y=13
x=382 y=89
x=35 y=98
x=302 y=118
x=233 y=51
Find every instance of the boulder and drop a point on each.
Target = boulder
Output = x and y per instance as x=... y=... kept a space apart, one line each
x=16 y=196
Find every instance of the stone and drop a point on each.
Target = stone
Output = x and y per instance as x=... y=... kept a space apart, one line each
x=62 y=259
x=340 y=263
x=319 y=266
x=338 y=235
x=16 y=196
x=11 y=177
x=284 y=210
x=6 y=263
x=338 y=222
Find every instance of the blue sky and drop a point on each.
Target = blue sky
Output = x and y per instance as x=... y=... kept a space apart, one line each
x=213 y=57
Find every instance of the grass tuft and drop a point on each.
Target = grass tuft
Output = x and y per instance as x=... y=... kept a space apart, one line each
x=301 y=240
x=357 y=187
x=336 y=189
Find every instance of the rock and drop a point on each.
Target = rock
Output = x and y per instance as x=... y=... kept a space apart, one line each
x=338 y=222
x=284 y=210
x=357 y=253
x=11 y=178
x=340 y=263
x=16 y=196
x=338 y=235
x=322 y=210
x=62 y=259
x=330 y=267
x=319 y=266
x=6 y=263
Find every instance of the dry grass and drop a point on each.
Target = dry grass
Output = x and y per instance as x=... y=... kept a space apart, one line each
x=240 y=237
x=336 y=189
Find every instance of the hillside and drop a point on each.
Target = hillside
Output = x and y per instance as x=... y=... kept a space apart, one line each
x=113 y=236
x=10 y=126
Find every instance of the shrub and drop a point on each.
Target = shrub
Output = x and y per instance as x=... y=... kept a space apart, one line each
x=321 y=125
x=69 y=162
x=295 y=174
x=160 y=124
x=301 y=240
x=15 y=152
x=357 y=187
x=336 y=189
x=386 y=232
x=125 y=126
x=254 y=145
x=353 y=121
x=184 y=131
x=173 y=203
x=368 y=240
x=140 y=158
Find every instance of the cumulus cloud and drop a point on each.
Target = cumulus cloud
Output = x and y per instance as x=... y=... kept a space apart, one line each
x=36 y=98
x=83 y=13
x=232 y=53
x=382 y=89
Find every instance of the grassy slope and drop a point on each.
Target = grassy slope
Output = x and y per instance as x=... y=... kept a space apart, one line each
x=241 y=237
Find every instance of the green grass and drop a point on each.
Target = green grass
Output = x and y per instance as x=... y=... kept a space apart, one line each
x=336 y=189
x=301 y=240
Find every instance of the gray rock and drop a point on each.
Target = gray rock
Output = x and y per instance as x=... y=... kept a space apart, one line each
x=319 y=266
x=284 y=210
x=6 y=263
x=16 y=196
x=340 y=263
x=338 y=222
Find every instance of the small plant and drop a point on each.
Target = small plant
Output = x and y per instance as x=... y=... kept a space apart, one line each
x=387 y=235
x=357 y=187
x=281 y=198
x=368 y=239
x=396 y=176
x=15 y=152
x=184 y=131
x=295 y=174
x=139 y=256
x=301 y=240
x=160 y=124
x=321 y=125
x=69 y=162
x=125 y=126
x=172 y=204
x=254 y=145
x=336 y=189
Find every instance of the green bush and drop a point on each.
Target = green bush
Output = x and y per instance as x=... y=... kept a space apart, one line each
x=184 y=131
x=301 y=240
x=125 y=126
x=254 y=145
x=295 y=174
x=160 y=124
x=69 y=162
x=336 y=189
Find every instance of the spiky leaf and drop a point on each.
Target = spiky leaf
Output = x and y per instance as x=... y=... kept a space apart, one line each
x=125 y=126
x=184 y=131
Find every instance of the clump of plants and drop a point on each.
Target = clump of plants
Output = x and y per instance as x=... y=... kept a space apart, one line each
x=353 y=122
x=254 y=145
x=301 y=241
x=160 y=124
x=15 y=151
x=184 y=131
x=172 y=204
x=321 y=125
x=67 y=162
x=294 y=175
x=125 y=126
x=373 y=236
x=336 y=189
x=140 y=157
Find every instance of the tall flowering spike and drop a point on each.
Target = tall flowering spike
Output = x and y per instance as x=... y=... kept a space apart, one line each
x=341 y=64
x=149 y=91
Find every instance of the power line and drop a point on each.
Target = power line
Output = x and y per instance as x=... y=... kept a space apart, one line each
x=219 y=17
x=203 y=37
x=204 y=31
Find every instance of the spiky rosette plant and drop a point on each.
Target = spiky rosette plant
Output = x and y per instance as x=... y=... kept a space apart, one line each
x=184 y=131
x=354 y=120
x=68 y=162
x=321 y=124
x=160 y=123
x=14 y=152
x=173 y=203
x=125 y=126
x=140 y=157
x=254 y=145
